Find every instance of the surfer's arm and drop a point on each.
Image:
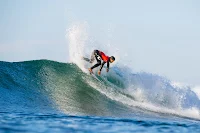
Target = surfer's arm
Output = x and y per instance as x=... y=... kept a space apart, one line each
x=108 y=64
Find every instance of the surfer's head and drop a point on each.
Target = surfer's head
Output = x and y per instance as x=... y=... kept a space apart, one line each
x=112 y=59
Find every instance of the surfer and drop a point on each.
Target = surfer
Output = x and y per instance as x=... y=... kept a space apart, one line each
x=99 y=55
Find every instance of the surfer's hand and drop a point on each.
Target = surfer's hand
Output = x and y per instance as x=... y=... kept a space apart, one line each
x=99 y=72
x=107 y=70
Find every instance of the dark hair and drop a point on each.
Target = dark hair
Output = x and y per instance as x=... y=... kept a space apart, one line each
x=112 y=57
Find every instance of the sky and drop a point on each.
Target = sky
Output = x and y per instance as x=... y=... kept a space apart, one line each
x=157 y=36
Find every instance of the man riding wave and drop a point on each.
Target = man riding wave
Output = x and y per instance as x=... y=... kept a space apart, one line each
x=99 y=55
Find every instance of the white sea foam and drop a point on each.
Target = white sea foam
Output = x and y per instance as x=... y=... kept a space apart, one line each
x=148 y=91
x=196 y=89
x=77 y=36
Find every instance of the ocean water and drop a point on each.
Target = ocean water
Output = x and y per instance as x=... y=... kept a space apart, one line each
x=51 y=123
x=48 y=96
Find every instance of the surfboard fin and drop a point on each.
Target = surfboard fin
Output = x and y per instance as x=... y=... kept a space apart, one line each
x=86 y=59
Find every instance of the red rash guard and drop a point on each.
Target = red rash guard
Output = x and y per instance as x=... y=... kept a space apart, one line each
x=104 y=57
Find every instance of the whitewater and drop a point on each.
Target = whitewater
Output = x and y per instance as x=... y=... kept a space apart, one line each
x=64 y=97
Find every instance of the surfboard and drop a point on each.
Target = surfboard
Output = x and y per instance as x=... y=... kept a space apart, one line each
x=96 y=77
x=86 y=59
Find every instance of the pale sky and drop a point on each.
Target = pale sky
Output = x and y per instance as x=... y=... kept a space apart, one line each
x=158 y=36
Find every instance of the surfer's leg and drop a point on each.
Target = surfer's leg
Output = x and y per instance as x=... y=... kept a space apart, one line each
x=96 y=65
x=94 y=55
x=98 y=62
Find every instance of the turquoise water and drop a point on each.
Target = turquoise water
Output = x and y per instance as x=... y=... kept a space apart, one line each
x=47 y=96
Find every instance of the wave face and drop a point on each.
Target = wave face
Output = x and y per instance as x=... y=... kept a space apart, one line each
x=48 y=86
x=51 y=86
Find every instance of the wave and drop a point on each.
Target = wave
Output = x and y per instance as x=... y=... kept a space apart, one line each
x=50 y=86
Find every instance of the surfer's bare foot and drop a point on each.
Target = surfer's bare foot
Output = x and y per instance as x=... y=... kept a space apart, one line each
x=90 y=70
x=99 y=72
